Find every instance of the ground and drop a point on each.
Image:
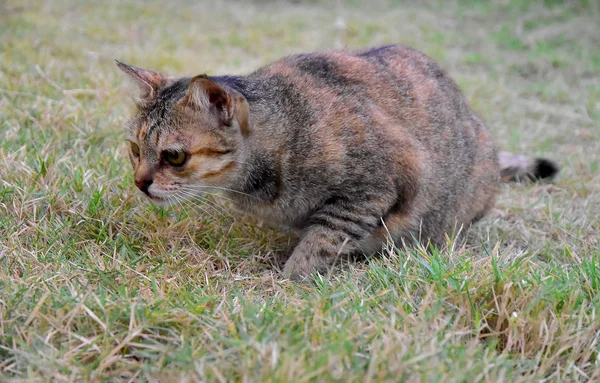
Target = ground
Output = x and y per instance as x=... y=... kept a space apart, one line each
x=96 y=284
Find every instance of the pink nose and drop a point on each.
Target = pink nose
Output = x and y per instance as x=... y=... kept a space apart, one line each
x=143 y=183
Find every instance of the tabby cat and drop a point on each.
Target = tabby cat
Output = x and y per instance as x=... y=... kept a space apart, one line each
x=346 y=147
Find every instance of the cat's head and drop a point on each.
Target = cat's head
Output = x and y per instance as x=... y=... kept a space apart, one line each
x=186 y=136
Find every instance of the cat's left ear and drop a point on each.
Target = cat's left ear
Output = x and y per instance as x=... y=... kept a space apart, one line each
x=148 y=81
x=204 y=93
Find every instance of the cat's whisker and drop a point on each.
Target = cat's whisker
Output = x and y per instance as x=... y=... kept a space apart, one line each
x=187 y=204
x=206 y=196
x=197 y=189
x=202 y=187
x=185 y=195
x=177 y=201
x=215 y=206
x=190 y=196
x=197 y=208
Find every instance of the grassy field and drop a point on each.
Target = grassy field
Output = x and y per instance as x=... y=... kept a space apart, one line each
x=96 y=284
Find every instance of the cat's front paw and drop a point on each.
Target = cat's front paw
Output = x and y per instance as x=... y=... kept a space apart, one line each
x=301 y=267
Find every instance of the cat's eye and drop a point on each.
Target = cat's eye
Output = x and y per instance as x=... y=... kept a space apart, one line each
x=175 y=158
x=135 y=149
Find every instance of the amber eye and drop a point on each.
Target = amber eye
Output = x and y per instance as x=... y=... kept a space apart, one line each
x=175 y=158
x=135 y=149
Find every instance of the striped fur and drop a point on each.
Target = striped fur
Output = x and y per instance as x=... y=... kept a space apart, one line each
x=344 y=146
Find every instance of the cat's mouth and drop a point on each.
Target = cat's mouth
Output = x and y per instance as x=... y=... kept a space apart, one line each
x=154 y=197
x=160 y=201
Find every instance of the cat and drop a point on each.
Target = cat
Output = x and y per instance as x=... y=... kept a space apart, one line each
x=345 y=147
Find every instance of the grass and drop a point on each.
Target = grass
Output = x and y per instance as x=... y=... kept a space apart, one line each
x=96 y=284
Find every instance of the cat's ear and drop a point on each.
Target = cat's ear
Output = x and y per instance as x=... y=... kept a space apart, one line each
x=205 y=93
x=148 y=81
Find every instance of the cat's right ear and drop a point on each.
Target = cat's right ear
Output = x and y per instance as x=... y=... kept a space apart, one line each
x=149 y=82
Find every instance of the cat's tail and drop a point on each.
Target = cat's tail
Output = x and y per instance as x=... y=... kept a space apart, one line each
x=517 y=168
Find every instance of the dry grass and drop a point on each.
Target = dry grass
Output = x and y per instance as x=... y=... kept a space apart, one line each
x=98 y=285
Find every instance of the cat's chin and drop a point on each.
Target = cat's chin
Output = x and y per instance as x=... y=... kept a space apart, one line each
x=160 y=202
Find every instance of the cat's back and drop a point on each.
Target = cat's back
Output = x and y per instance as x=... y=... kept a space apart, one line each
x=388 y=71
x=393 y=90
x=388 y=106
x=392 y=81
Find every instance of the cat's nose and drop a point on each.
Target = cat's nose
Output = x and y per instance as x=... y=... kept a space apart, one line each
x=143 y=184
